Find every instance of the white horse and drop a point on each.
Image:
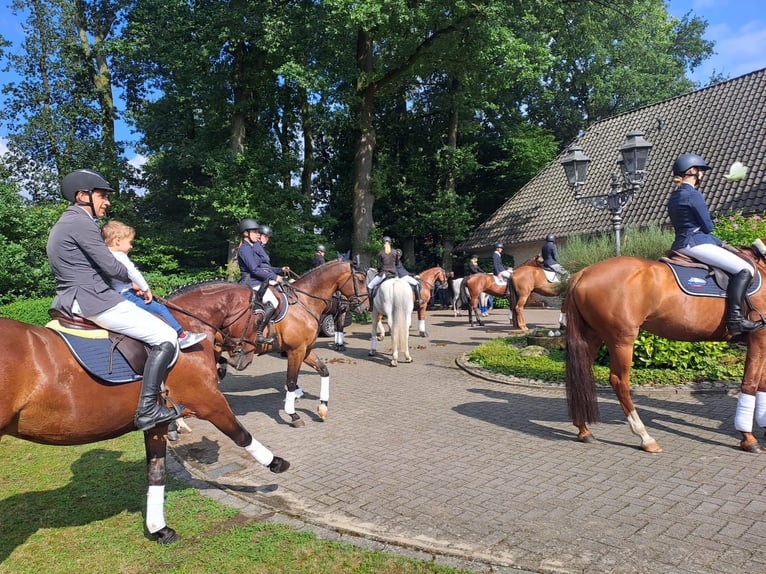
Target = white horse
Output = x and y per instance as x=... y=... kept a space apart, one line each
x=394 y=300
x=458 y=300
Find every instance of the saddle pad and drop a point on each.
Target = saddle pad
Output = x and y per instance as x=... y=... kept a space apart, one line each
x=552 y=276
x=96 y=355
x=281 y=310
x=700 y=283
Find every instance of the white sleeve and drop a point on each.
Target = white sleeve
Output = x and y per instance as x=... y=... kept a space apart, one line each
x=133 y=272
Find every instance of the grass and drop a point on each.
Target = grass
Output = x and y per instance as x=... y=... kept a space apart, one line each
x=503 y=356
x=80 y=509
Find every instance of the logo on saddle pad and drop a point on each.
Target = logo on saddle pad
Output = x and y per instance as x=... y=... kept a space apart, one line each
x=701 y=282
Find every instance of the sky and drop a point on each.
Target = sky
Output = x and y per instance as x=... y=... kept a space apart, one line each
x=737 y=27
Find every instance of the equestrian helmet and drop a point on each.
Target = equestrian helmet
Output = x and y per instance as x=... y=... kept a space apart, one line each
x=386 y=239
x=265 y=230
x=83 y=180
x=550 y=238
x=321 y=248
x=248 y=225
x=687 y=161
x=398 y=252
x=498 y=245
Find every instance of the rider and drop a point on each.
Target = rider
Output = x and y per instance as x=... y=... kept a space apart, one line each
x=693 y=226
x=473 y=268
x=502 y=272
x=410 y=278
x=249 y=232
x=318 y=256
x=83 y=267
x=386 y=264
x=550 y=255
x=266 y=274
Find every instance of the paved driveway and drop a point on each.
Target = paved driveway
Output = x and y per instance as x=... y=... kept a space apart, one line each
x=428 y=459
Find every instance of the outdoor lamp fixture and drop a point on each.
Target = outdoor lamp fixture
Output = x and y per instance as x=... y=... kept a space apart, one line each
x=634 y=154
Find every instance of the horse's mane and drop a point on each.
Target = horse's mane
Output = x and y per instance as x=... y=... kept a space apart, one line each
x=196 y=285
x=532 y=261
x=324 y=265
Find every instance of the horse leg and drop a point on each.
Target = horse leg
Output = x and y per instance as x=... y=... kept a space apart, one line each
x=375 y=317
x=619 y=378
x=155 y=445
x=519 y=310
x=294 y=360
x=749 y=403
x=422 y=319
x=324 y=382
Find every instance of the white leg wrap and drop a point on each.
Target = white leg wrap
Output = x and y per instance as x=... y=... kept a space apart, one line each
x=421 y=325
x=155 y=508
x=260 y=453
x=743 y=420
x=298 y=393
x=324 y=389
x=290 y=402
x=637 y=427
x=373 y=343
x=339 y=335
x=760 y=408
x=562 y=319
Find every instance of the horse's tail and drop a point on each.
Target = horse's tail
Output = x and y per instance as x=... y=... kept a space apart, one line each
x=401 y=315
x=465 y=298
x=580 y=384
x=513 y=299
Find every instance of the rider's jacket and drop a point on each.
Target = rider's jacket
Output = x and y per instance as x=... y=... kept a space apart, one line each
x=387 y=263
x=550 y=254
x=690 y=217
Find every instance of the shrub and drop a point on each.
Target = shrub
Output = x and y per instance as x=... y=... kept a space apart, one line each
x=32 y=311
x=738 y=230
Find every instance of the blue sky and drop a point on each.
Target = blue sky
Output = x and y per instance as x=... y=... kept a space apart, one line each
x=738 y=28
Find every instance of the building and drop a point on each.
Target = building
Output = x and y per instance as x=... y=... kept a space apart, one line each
x=723 y=123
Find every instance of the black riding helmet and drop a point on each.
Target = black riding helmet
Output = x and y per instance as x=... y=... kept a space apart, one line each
x=687 y=161
x=265 y=230
x=83 y=180
x=550 y=238
x=248 y=225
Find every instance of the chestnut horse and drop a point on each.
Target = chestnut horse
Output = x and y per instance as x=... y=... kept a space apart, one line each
x=309 y=297
x=526 y=279
x=428 y=279
x=610 y=301
x=48 y=398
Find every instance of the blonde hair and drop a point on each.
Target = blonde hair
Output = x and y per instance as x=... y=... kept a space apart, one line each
x=115 y=230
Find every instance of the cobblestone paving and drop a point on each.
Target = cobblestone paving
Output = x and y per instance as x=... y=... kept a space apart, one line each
x=431 y=460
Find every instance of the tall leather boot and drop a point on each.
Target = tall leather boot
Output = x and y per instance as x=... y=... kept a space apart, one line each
x=268 y=313
x=151 y=412
x=418 y=298
x=736 y=323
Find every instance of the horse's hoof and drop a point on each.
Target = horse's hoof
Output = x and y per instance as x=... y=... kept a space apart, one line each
x=340 y=348
x=754 y=448
x=394 y=363
x=172 y=435
x=166 y=535
x=423 y=334
x=371 y=353
x=296 y=422
x=322 y=411
x=586 y=438
x=652 y=447
x=278 y=465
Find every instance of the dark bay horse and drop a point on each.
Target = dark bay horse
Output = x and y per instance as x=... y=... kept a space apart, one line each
x=428 y=279
x=49 y=399
x=526 y=279
x=610 y=301
x=309 y=297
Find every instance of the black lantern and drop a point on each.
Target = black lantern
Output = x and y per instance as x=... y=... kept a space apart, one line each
x=632 y=165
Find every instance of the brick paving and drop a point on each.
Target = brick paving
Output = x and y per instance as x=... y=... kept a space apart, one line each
x=433 y=461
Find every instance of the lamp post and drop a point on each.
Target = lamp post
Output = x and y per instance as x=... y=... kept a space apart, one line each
x=634 y=154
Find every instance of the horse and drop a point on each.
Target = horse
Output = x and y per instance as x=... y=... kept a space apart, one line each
x=473 y=286
x=609 y=301
x=460 y=298
x=394 y=300
x=428 y=279
x=48 y=398
x=309 y=297
x=528 y=278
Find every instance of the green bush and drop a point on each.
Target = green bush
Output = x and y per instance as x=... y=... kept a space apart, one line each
x=738 y=230
x=32 y=311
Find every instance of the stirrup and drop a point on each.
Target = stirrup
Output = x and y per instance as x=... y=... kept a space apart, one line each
x=261 y=340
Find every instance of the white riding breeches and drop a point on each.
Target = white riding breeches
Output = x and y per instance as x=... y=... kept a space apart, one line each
x=377 y=280
x=411 y=280
x=129 y=319
x=268 y=296
x=718 y=257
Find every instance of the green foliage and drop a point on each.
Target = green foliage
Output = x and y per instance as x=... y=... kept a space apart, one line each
x=32 y=311
x=724 y=364
x=738 y=229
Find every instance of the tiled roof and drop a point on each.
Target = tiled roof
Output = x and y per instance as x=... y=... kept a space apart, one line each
x=723 y=123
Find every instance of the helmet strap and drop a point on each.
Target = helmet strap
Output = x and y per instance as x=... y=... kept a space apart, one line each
x=88 y=203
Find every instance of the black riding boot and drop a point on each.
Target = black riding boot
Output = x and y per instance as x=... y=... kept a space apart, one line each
x=268 y=313
x=418 y=298
x=736 y=323
x=151 y=412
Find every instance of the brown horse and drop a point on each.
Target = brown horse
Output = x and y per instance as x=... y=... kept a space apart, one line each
x=428 y=279
x=309 y=297
x=526 y=279
x=473 y=286
x=49 y=399
x=610 y=301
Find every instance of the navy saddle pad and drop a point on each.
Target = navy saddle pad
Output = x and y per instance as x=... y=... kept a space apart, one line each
x=701 y=283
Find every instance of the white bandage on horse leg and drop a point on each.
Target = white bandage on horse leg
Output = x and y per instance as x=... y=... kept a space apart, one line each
x=760 y=408
x=562 y=319
x=155 y=508
x=421 y=325
x=338 y=337
x=260 y=452
x=324 y=389
x=290 y=402
x=637 y=427
x=374 y=343
x=743 y=419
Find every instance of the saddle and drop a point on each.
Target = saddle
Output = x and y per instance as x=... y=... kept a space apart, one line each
x=112 y=357
x=282 y=304
x=702 y=280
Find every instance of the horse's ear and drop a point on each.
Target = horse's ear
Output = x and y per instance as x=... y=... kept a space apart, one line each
x=356 y=263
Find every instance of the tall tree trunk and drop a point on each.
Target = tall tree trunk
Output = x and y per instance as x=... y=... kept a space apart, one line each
x=447 y=240
x=307 y=127
x=365 y=148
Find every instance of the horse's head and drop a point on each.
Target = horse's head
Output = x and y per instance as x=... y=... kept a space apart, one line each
x=354 y=288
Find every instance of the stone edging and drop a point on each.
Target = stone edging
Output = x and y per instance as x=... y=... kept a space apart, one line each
x=701 y=387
